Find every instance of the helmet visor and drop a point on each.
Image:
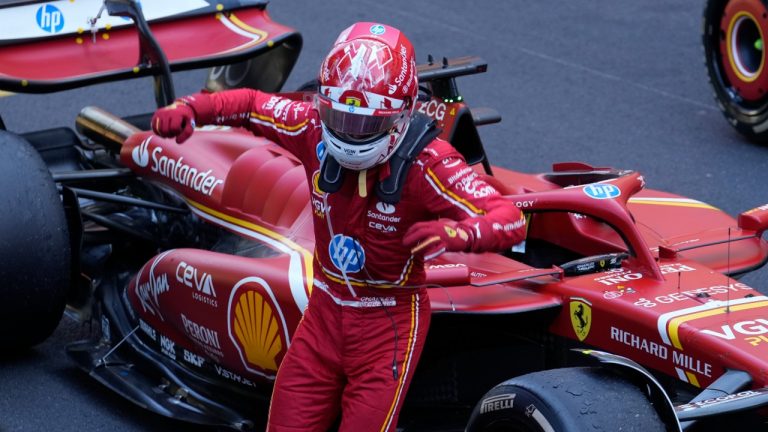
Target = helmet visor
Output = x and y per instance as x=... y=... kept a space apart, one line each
x=349 y=122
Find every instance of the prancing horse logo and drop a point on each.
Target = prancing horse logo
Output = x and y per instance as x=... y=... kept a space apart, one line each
x=581 y=317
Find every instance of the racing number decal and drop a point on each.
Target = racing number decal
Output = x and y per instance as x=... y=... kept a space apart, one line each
x=581 y=317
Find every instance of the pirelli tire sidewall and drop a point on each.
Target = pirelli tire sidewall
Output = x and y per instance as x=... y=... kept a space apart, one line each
x=34 y=247
x=509 y=407
x=567 y=400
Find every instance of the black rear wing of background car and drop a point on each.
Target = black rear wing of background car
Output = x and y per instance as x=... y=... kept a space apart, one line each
x=438 y=79
x=53 y=46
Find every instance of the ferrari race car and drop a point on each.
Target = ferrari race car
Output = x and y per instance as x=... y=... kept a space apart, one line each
x=733 y=40
x=621 y=310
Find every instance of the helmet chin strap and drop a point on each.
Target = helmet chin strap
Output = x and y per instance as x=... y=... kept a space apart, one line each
x=419 y=132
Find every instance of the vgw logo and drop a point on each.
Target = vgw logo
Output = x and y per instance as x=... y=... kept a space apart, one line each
x=346 y=253
x=50 y=18
x=602 y=191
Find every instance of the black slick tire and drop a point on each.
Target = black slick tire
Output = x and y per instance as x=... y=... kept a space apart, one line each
x=565 y=400
x=34 y=247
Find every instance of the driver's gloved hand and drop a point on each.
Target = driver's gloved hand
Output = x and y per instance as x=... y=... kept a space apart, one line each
x=178 y=119
x=431 y=238
x=175 y=120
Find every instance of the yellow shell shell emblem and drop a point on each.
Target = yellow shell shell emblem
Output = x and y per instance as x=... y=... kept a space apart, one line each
x=581 y=317
x=257 y=330
x=316 y=184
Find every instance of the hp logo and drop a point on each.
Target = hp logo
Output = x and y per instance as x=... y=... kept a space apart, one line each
x=50 y=18
x=346 y=253
x=602 y=191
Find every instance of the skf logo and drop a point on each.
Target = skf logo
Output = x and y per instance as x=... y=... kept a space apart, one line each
x=50 y=18
x=581 y=317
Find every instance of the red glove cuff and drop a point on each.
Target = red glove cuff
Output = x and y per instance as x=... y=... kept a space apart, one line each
x=469 y=231
x=202 y=105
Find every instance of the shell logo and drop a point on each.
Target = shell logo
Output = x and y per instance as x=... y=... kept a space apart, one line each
x=256 y=330
x=316 y=184
x=257 y=326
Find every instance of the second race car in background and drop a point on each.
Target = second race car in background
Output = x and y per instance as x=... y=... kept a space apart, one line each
x=734 y=37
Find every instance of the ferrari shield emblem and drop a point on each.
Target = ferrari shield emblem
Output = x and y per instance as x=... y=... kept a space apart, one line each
x=352 y=101
x=581 y=317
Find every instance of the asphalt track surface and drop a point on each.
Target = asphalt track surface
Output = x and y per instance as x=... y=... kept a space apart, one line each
x=614 y=83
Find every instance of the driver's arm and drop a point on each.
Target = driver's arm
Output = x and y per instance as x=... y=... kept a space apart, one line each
x=481 y=218
x=276 y=118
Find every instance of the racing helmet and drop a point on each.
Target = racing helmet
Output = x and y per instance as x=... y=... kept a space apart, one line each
x=368 y=86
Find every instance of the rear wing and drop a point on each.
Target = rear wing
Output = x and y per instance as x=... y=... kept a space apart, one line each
x=59 y=45
x=438 y=79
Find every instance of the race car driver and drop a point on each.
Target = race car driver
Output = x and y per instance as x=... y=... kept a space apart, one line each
x=387 y=195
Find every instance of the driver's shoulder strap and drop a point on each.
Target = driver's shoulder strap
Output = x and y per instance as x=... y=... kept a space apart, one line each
x=421 y=131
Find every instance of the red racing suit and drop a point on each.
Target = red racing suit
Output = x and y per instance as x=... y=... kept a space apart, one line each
x=357 y=346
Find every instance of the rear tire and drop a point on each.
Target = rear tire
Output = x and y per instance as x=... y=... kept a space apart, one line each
x=35 y=250
x=565 y=400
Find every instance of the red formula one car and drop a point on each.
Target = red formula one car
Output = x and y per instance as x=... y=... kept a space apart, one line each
x=620 y=310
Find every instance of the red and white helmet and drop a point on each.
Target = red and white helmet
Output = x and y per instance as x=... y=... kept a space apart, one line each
x=368 y=87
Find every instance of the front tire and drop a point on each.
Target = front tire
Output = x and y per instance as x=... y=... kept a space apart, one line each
x=35 y=250
x=565 y=400
x=733 y=38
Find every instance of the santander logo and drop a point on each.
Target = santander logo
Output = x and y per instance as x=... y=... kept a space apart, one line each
x=140 y=153
x=174 y=169
x=385 y=208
